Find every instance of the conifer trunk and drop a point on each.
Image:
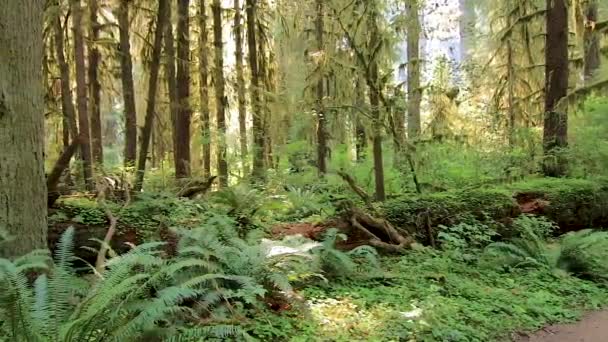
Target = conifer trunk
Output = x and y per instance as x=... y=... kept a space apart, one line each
x=81 y=94
x=128 y=88
x=240 y=85
x=94 y=85
x=220 y=97
x=203 y=67
x=23 y=195
x=556 y=88
x=592 y=40
x=182 y=152
x=360 y=134
x=321 y=115
x=413 y=70
x=256 y=104
x=169 y=42
x=374 y=99
x=161 y=21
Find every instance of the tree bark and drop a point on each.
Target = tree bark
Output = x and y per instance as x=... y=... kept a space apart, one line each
x=240 y=85
x=360 y=133
x=182 y=152
x=374 y=99
x=22 y=184
x=171 y=82
x=62 y=163
x=161 y=21
x=592 y=40
x=220 y=97
x=81 y=94
x=413 y=70
x=128 y=88
x=321 y=115
x=203 y=66
x=94 y=85
x=67 y=103
x=257 y=114
x=556 y=87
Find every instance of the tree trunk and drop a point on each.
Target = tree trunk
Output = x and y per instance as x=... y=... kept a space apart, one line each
x=413 y=70
x=161 y=21
x=360 y=134
x=171 y=82
x=511 y=88
x=203 y=66
x=81 y=94
x=592 y=40
x=258 y=122
x=22 y=184
x=374 y=99
x=220 y=97
x=94 y=85
x=182 y=152
x=67 y=104
x=240 y=85
x=128 y=89
x=556 y=87
x=321 y=115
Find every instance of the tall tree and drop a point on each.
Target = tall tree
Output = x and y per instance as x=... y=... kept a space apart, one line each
x=413 y=69
x=81 y=93
x=169 y=42
x=256 y=101
x=22 y=184
x=322 y=147
x=182 y=152
x=161 y=20
x=240 y=84
x=360 y=133
x=556 y=87
x=374 y=99
x=591 y=40
x=203 y=67
x=94 y=84
x=220 y=97
x=128 y=88
x=67 y=103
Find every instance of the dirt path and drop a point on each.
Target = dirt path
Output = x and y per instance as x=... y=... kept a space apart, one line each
x=592 y=328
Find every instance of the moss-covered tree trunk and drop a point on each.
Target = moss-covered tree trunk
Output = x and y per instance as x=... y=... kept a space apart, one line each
x=319 y=108
x=182 y=125
x=220 y=97
x=592 y=40
x=374 y=99
x=161 y=21
x=94 y=84
x=81 y=94
x=169 y=42
x=413 y=70
x=240 y=85
x=128 y=88
x=556 y=88
x=256 y=100
x=22 y=183
x=203 y=68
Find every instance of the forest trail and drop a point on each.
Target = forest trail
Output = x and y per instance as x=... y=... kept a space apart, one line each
x=592 y=328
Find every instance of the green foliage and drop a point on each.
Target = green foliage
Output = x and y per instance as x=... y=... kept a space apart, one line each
x=588 y=149
x=583 y=253
x=362 y=261
x=465 y=236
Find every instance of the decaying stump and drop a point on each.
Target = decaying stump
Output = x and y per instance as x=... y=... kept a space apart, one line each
x=196 y=187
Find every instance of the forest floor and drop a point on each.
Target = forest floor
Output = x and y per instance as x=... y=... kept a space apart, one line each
x=592 y=328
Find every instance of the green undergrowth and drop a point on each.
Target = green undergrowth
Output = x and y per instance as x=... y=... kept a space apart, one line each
x=434 y=296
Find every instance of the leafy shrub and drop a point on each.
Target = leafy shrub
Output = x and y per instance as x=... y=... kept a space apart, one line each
x=465 y=236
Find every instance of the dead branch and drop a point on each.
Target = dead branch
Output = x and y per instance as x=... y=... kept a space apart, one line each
x=62 y=163
x=194 y=188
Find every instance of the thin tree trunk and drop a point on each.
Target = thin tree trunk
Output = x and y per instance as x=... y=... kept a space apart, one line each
x=128 y=88
x=220 y=97
x=258 y=122
x=240 y=85
x=592 y=41
x=556 y=87
x=374 y=99
x=94 y=85
x=67 y=104
x=511 y=88
x=161 y=21
x=81 y=94
x=321 y=115
x=413 y=70
x=182 y=153
x=203 y=66
x=360 y=134
x=23 y=210
x=171 y=81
